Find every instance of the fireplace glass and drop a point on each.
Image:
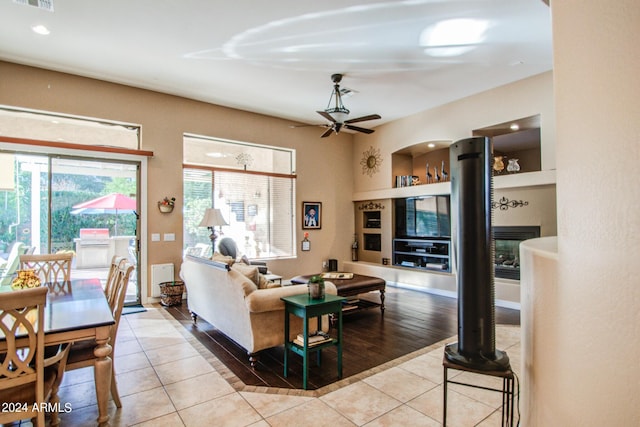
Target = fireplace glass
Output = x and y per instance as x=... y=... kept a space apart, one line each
x=507 y=249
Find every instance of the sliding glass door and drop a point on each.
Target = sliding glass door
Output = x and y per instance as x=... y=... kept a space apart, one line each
x=62 y=203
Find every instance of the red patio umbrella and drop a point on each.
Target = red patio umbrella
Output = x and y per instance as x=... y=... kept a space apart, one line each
x=115 y=203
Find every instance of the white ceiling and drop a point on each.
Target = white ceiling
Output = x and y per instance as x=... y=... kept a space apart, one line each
x=276 y=57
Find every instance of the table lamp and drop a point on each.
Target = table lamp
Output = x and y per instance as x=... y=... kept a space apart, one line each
x=212 y=218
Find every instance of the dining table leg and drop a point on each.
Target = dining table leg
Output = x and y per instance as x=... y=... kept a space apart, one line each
x=102 y=374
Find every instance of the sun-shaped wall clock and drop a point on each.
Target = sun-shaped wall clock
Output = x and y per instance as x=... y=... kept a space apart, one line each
x=370 y=161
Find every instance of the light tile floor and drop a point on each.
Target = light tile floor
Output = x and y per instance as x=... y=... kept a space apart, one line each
x=167 y=378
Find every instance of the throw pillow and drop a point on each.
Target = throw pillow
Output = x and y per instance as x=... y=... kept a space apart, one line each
x=250 y=272
x=218 y=257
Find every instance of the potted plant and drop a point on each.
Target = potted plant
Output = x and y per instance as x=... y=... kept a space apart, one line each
x=316 y=287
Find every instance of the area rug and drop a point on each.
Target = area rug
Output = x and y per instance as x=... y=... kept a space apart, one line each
x=129 y=309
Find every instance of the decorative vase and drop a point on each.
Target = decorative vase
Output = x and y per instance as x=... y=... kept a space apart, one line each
x=316 y=288
x=354 y=248
x=513 y=166
x=498 y=164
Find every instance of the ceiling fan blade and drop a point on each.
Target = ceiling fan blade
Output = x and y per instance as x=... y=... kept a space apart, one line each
x=359 y=129
x=323 y=125
x=364 y=118
x=326 y=116
x=327 y=133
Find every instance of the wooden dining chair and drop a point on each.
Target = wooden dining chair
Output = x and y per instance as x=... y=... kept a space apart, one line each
x=81 y=353
x=27 y=379
x=51 y=268
x=112 y=278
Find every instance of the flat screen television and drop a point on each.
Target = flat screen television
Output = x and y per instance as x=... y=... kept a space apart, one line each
x=425 y=216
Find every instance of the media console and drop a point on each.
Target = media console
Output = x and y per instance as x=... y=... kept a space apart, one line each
x=425 y=254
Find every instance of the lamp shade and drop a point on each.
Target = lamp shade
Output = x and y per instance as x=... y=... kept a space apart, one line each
x=212 y=217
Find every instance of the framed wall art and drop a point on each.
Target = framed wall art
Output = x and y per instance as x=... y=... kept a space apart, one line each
x=311 y=215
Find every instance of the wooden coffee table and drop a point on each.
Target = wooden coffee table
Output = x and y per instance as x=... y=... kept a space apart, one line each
x=359 y=284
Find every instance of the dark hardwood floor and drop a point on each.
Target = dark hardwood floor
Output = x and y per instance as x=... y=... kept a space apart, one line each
x=412 y=320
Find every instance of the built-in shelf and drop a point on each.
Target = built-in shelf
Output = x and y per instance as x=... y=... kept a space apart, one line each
x=507 y=181
x=426 y=254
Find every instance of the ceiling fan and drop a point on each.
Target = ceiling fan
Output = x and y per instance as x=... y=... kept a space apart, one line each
x=337 y=113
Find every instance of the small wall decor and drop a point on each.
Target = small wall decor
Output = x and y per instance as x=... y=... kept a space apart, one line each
x=311 y=215
x=371 y=161
x=166 y=205
x=503 y=204
x=306 y=244
x=371 y=206
x=244 y=159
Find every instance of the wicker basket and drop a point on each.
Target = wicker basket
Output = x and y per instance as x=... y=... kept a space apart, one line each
x=171 y=293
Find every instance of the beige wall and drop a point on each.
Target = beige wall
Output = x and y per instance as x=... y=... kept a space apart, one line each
x=597 y=298
x=323 y=166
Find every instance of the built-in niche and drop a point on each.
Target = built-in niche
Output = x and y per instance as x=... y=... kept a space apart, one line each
x=371 y=219
x=424 y=163
x=372 y=242
x=516 y=142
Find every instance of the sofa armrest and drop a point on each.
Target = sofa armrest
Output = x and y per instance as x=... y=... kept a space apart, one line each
x=269 y=299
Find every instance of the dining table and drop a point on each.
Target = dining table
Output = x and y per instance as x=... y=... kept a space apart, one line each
x=78 y=310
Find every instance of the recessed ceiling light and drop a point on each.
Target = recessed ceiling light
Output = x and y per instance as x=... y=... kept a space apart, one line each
x=431 y=145
x=514 y=127
x=41 y=29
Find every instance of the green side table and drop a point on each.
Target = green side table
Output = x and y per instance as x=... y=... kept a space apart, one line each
x=306 y=308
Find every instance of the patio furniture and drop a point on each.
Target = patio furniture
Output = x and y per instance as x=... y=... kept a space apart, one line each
x=8 y=269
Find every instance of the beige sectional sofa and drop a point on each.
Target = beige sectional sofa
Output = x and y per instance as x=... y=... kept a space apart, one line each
x=229 y=298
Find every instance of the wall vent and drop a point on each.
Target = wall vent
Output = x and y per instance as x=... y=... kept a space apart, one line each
x=40 y=4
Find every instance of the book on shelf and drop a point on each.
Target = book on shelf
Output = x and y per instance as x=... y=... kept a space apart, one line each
x=313 y=340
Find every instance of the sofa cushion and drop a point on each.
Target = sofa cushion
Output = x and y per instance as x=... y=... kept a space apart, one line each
x=249 y=271
x=264 y=283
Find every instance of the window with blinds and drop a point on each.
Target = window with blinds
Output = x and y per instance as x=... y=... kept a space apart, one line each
x=258 y=205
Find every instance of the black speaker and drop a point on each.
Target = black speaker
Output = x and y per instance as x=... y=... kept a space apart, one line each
x=471 y=197
x=333 y=265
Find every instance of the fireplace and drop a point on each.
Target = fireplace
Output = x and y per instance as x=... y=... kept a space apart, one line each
x=507 y=249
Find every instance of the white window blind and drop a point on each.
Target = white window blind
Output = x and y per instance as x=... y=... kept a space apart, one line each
x=259 y=210
x=254 y=187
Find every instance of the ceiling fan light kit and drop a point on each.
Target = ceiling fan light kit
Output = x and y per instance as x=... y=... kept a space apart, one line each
x=336 y=113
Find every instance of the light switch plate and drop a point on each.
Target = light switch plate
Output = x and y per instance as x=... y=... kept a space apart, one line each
x=169 y=237
x=155 y=237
